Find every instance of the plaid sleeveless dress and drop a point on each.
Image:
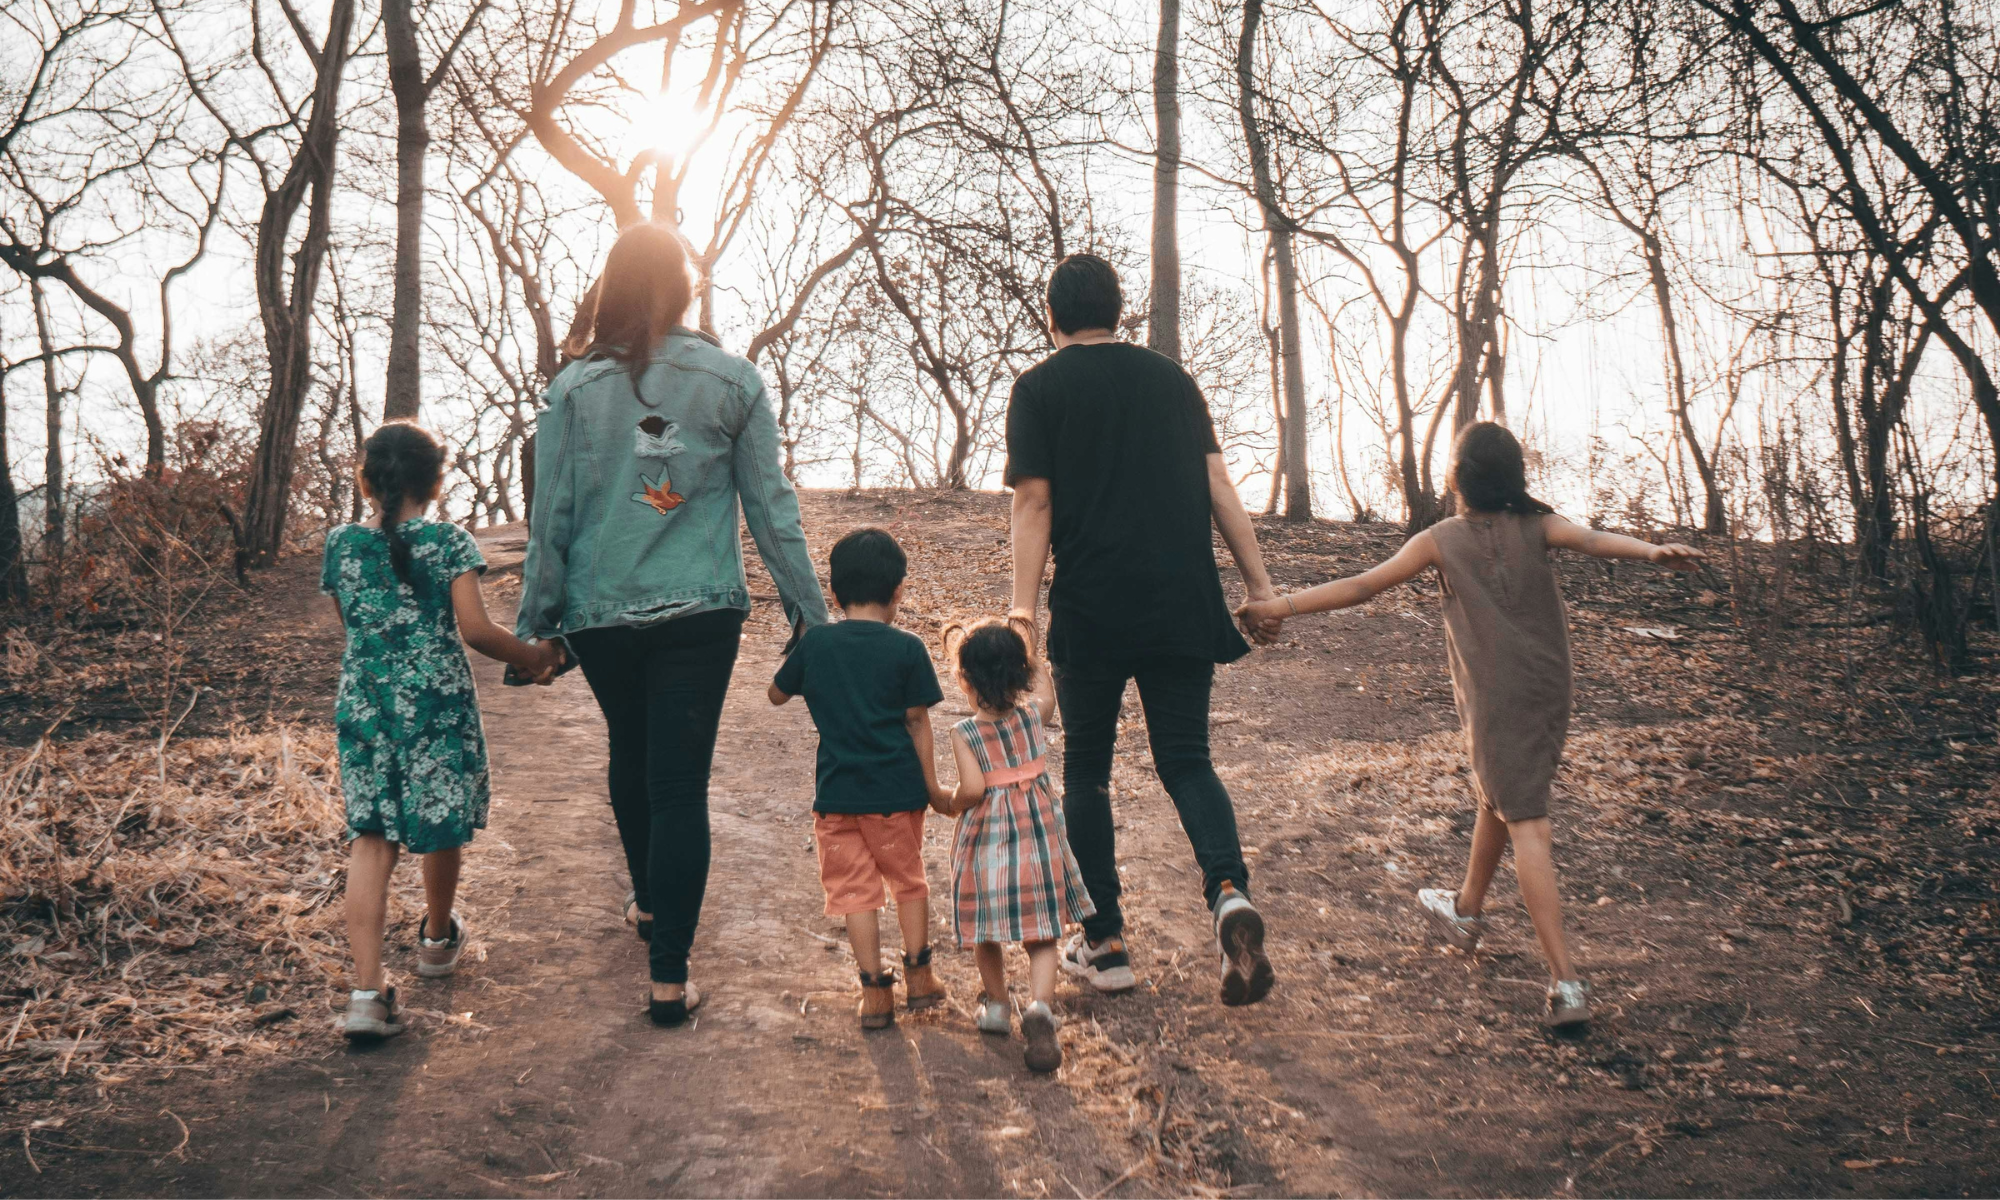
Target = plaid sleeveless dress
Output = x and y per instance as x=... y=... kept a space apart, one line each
x=1013 y=877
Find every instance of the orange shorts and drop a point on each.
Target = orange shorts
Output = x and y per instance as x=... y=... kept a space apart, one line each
x=859 y=852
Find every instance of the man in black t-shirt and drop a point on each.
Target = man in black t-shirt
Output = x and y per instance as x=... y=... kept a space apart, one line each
x=1116 y=469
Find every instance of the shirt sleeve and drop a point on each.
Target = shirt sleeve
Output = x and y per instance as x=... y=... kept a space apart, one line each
x=329 y=565
x=1029 y=454
x=459 y=553
x=920 y=687
x=1203 y=419
x=791 y=676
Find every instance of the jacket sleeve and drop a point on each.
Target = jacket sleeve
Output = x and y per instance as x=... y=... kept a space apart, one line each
x=551 y=522
x=771 y=508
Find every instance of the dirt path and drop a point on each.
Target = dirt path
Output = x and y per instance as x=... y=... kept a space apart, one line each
x=1735 y=1053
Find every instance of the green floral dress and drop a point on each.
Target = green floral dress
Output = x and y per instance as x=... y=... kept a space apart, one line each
x=412 y=754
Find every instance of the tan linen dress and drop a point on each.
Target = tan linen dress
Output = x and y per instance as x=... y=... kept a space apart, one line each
x=1508 y=637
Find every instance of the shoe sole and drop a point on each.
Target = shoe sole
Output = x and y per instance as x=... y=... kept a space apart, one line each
x=1452 y=934
x=370 y=1031
x=436 y=970
x=1569 y=1019
x=1111 y=982
x=1044 y=1052
x=1248 y=977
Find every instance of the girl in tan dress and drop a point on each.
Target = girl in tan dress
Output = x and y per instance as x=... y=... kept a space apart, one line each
x=1507 y=637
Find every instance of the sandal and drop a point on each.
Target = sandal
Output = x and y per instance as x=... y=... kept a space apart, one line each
x=921 y=988
x=643 y=924
x=673 y=1012
x=878 y=1000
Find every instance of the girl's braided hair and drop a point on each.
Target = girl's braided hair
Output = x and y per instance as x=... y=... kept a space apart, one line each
x=1489 y=472
x=400 y=461
x=994 y=660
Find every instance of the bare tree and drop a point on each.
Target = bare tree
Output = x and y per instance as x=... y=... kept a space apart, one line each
x=1163 y=315
x=412 y=88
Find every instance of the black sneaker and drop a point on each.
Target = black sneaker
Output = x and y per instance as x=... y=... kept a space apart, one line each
x=1105 y=966
x=1239 y=931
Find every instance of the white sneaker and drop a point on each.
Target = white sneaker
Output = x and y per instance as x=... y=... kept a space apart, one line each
x=438 y=957
x=1247 y=976
x=1569 y=1003
x=372 y=1015
x=1440 y=906
x=995 y=1016
x=1105 y=966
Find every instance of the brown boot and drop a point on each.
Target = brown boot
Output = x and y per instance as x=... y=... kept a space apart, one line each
x=878 y=1000
x=921 y=988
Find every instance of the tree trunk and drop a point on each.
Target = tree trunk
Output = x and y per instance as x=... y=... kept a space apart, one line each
x=54 y=522
x=404 y=394
x=13 y=571
x=1713 y=520
x=287 y=311
x=1163 y=321
x=1298 y=487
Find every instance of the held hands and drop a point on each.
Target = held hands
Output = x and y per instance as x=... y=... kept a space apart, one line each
x=944 y=801
x=549 y=658
x=1678 y=557
x=1263 y=619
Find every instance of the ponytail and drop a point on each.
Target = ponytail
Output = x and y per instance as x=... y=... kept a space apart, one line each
x=398 y=461
x=1490 y=473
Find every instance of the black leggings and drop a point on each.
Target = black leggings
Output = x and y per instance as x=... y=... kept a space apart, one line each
x=661 y=688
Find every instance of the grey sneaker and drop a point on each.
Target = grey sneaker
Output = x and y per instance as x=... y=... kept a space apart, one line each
x=1569 y=1003
x=995 y=1016
x=1105 y=966
x=1239 y=932
x=1038 y=1025
x=1440 y=905
x=372 y=1015
x=438 y=957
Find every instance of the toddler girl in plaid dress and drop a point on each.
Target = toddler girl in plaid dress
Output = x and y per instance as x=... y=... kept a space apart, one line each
x=1013 y=877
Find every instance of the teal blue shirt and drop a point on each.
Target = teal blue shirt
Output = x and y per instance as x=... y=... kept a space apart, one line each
x=860 y=679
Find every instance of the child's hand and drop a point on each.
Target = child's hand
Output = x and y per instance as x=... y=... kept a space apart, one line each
x=1263 y=620
x=549 y=660
x=1678 y=556
x=942 y=802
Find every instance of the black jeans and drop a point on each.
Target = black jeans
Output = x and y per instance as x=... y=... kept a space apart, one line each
x=661 y=688
x=1174 y=693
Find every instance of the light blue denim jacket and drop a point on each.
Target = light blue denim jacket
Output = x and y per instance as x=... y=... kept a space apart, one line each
x=637 y=478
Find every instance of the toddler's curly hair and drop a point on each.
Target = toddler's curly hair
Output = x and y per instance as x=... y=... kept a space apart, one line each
x=994 y=660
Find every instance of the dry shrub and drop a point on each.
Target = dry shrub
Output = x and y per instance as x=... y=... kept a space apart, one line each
x=166 y=908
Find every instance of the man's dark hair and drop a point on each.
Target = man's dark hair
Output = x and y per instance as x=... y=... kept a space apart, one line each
x=866 y=566
x=1083 y=294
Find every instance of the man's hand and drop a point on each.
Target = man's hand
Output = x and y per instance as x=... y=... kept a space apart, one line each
x=1679 y=557
x=1263 y=620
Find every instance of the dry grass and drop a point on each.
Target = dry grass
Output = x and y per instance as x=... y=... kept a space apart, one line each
x=166 y=907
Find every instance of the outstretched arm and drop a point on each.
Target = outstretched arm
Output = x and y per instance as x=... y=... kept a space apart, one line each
x=1417 y=553
x=468 y=603
x=1598 y=544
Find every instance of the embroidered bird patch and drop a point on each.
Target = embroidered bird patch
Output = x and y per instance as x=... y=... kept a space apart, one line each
x=663 y=498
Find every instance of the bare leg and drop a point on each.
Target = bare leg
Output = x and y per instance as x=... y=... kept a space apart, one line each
x=914 y=917
x=992 y=970
x=864 y=934
x=1489 y=842
x=1535 y=868
x=370 y=859
x=1041 y=971
x=440 y=890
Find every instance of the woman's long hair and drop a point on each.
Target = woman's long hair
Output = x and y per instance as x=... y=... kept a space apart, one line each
x=1489 y=472
x=399 y=462
x=644 y=291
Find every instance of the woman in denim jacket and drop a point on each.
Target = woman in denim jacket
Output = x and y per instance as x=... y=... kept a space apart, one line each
x=649 y=441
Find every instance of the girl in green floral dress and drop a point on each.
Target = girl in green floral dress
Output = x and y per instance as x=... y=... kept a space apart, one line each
x=412 y=755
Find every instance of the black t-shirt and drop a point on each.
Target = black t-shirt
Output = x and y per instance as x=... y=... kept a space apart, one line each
x=1123 y=436
x=859 y=678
